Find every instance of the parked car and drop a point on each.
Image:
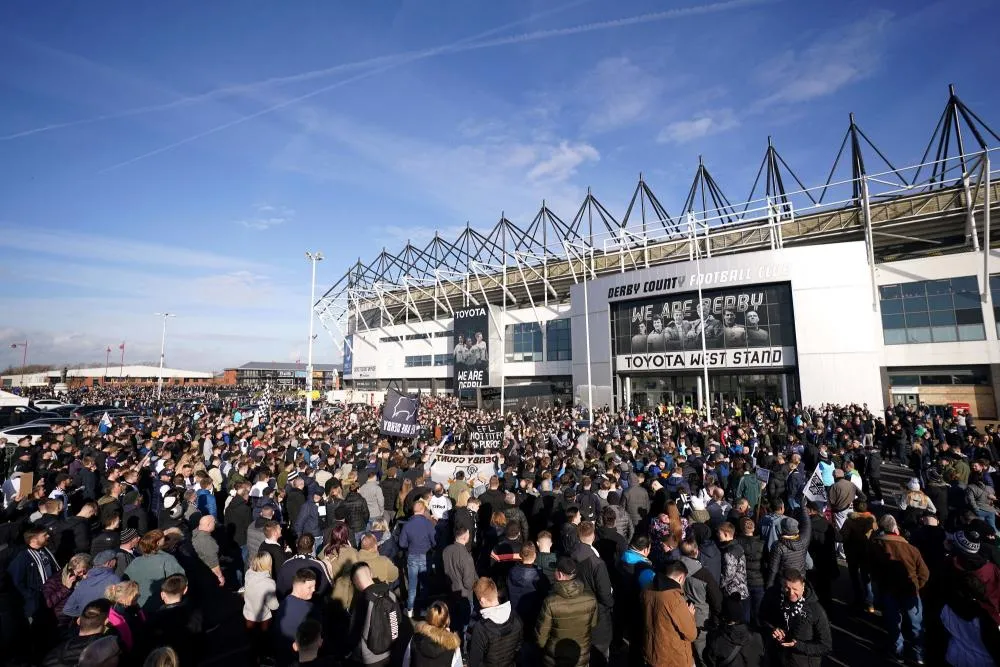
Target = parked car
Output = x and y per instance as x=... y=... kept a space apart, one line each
x=15 y=433
x=15 y=415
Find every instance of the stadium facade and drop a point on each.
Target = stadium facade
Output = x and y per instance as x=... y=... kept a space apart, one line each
x=876 y=286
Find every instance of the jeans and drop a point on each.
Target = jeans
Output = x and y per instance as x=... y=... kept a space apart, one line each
x=861 y=581
x=756 y=597
x=894 y=609
x=989 y=517
x=416 y=565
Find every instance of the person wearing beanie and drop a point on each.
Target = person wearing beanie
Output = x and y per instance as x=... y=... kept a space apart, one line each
x=967 y=560
x=792 y=547
x=732 y=643
x=127 y=550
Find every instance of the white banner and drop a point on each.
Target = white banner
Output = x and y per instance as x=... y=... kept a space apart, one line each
x=444 y=466
x=815 y=490
x=752 y=357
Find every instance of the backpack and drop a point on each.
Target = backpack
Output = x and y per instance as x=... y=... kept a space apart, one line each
x=383 y=624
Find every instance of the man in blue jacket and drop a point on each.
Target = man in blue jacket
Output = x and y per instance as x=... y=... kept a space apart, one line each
x=91 y=587
x=31 y=567
x=417 y=537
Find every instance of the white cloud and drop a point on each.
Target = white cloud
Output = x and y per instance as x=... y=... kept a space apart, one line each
x=267 y=216
x=703 y=124
x=620 y=92
x=830 y=62
x=562 y=161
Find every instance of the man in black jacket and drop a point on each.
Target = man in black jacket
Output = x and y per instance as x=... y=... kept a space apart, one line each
x=795 y=622
x=92 y=624
x=495 y=641
x=238 y=517
x=354 y=512
x=593 y=573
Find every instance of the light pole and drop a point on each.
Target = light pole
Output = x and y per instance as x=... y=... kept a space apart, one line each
x=163 y=345
x=24 y=359
x=107 y=361
x=313 y=257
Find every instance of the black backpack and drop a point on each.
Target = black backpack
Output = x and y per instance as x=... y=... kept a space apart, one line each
x=383 y=626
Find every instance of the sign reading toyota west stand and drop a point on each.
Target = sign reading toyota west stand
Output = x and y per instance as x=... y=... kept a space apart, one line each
x=472 y=358
x=746 y=327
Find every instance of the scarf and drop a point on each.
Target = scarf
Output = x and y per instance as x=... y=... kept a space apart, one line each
x=793 y=610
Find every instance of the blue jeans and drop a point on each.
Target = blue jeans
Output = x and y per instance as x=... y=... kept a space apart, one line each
x=415 y=566
x=861 y=581
x=989 y=517
x=894 y=609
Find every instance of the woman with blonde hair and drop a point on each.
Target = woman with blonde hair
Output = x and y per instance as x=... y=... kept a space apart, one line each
x=404 y=491
x=260 y=596
x=433 y=643
x=125 y=616
x=462 y=499
x=163 y=656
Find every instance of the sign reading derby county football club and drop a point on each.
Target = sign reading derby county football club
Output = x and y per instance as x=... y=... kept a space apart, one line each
x=444 y=466
x=399 y=415
x=472 y=358
x=487 y=436
x=733 y=328
x=713 y=279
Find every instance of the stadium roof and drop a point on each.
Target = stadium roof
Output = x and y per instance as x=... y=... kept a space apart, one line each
x=284 y=366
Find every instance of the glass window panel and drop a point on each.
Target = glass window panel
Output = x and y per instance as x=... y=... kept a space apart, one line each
x=917 y=320
x=889 y=291
x=904 y=379
x=995 y=283
x=892 y=321
x=918 y=334
x=965 y=284
x=913 y=289
x=969 y=316
x=967 y=300
x=971 y=332
x=892 y=306
x=942 y=317
x=940 y=302
x=938 y=286
x=915 y=304
x=944 y=334
x=894 y=336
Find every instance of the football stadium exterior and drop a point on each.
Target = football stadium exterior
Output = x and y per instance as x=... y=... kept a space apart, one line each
x=878 y=285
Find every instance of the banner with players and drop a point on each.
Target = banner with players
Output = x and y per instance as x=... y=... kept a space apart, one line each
x=399 y=415
x=472 y=358
x=444 y=466
x=487 y=436
x=743 y=327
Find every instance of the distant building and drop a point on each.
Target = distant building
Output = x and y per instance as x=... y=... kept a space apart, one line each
x=89 y=377
x=284 y=375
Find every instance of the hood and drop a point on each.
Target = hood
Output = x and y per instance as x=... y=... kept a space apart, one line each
x=441 y=639
x=568 y=589
x=524 y=575
x=737 y=633
x=257 y=576
x=664 y=583
x=633 y=557
x=499 y=614
x=100 y=573
x=693 y=565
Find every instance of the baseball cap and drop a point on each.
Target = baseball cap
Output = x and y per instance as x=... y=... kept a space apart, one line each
x=567 y=566
x=105 y=557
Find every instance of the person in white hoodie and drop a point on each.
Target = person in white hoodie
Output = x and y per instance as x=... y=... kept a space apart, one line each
x=260 y=596
x=499 y=634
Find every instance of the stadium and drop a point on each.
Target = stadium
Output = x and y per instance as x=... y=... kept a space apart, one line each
x=877 y=285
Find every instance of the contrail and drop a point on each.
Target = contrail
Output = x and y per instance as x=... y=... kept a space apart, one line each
x=454 y=48
x=236 y=89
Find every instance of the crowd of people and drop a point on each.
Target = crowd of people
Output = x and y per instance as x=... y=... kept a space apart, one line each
x=188 y=536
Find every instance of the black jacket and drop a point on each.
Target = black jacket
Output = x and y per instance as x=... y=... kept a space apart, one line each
x=106 y=540
x=354 y=511
x=753 y=549
x=592 y=571
x=238 y=518
x=810 y=630
x=67 y=654
x=495 y=644
x=70 y=537
x=734 y=646
x=180 y=626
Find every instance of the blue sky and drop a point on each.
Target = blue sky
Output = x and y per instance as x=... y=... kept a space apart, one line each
x=183 y=155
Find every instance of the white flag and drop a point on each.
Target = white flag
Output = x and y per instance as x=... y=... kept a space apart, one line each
x=105 y=423
x=815 y=490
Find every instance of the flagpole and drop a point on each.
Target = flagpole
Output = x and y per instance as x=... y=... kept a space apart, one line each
x=24 y=358
x=121 y=369
x=107 y=360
